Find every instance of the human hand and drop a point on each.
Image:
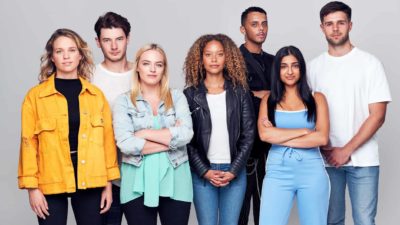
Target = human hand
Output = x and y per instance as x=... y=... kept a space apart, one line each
x=338 y=156
x=106 y=198
x=38 y=203
x=214 y=176
x=226 y=178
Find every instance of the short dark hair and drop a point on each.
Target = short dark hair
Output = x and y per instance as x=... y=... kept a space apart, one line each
x=112 y=20
x=334 y=6
x=250 y=10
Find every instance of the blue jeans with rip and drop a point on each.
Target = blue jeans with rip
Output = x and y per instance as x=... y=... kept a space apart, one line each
x=362 y=183
x=219 y=205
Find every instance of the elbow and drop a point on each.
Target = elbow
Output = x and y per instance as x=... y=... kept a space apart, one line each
x=324 y=140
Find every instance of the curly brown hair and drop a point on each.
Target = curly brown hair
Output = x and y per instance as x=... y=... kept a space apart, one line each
x=234 y=69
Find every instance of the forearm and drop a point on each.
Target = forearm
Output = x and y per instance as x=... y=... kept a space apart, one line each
x=275 y=135
x=314 y=139
x=366 y=131
x=153 y=147
x=161 y=136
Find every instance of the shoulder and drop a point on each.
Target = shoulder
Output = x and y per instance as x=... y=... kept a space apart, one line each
x=319 y=98
x=369 y=58
x=176 y=93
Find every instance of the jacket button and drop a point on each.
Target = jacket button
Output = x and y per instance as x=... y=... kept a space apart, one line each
x=83 y=161
x=83 y=183
x=83 y=136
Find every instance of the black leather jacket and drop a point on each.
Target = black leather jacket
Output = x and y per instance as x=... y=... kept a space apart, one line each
x=241 y=127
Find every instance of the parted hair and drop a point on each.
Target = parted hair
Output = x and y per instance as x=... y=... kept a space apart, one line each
x=47 y=66
x=234 y=68
x=165 y=93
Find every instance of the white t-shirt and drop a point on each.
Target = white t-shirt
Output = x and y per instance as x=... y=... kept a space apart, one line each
x=350 y=83
x=112 y=84
x=218 y=151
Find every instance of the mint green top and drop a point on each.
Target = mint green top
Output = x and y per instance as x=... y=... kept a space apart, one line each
x=156 y=177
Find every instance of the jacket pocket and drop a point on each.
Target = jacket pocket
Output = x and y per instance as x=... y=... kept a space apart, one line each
x=97 y=129
x=138 y=119
x=44 y=125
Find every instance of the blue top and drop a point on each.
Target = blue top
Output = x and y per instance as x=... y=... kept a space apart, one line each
x=294 y=120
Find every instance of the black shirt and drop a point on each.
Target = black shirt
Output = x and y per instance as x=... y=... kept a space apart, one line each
x=71 y=88
x=259 y=68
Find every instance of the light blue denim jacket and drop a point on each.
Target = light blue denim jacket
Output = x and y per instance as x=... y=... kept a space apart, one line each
x=127 y=119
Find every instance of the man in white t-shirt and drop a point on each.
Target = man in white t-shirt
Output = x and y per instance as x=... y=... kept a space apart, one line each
x=113 y=76
x=357 y=92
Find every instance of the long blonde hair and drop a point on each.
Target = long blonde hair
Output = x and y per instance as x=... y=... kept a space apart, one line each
x=85 y=67
x=165 y=93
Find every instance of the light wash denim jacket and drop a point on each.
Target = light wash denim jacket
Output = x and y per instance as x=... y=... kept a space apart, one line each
x=127 y=119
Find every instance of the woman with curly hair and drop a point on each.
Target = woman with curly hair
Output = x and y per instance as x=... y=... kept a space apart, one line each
x=224 y=128
x=67 y=144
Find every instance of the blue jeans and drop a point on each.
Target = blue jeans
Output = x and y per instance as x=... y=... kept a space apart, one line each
x=363 y=190
x=221 y=204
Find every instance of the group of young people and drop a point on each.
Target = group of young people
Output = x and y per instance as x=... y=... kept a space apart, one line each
x=248 y=127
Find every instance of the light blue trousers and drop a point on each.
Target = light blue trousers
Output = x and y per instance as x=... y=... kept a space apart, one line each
x=294 y=173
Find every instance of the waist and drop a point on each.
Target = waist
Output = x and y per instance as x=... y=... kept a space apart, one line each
x=305 y=153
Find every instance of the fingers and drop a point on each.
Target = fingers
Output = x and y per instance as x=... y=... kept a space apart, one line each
x=177 y=123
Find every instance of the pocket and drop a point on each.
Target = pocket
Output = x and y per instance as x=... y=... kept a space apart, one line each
x=138 y=119
x=97 y=131
x=45 y=125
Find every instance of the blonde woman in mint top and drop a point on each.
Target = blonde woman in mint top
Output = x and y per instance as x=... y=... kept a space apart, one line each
x=152 y=126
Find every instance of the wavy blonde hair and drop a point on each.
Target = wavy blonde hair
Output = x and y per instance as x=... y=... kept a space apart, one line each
x=165 y=93
x=234 y=68
x=85 y=67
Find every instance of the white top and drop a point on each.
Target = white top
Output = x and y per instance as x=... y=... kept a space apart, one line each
x=350 y=83
x=112 y=84
x=218 y=151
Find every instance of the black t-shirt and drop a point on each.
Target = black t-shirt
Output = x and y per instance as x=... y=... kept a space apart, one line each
x=71 y=88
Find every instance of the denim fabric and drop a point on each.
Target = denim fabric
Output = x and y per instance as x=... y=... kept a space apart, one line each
x=219 y=205
x=127 y=119
x=363 y=190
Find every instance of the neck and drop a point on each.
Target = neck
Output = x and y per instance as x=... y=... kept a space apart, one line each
x=253 y=47
x=150 y=90
x=214 y=80
x=69 y=76
x=121 y=66
x=340 y=50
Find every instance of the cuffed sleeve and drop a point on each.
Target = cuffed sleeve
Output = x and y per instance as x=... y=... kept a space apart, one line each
x=28 y=163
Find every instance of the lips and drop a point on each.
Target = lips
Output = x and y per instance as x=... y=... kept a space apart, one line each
x=114 y=53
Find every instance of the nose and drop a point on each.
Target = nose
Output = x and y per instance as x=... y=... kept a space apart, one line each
x=335 y=27
x=114 y=45
x=66 y=55
x=290 y=70
x=152 y=68
x=213 y=58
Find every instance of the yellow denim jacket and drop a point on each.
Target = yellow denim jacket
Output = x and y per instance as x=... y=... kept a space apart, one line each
x=45 y=161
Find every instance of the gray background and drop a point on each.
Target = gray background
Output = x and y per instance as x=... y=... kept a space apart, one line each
x=25 y=27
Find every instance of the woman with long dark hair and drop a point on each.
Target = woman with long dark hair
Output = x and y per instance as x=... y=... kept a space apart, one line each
x=67 y=144
x=224 y=127
x=296 y=122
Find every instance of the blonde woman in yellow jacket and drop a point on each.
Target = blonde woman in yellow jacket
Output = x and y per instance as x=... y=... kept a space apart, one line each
x=67 y=145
